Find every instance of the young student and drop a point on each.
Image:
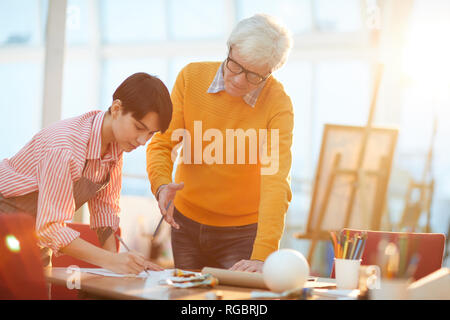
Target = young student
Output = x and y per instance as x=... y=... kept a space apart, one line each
x=79 y=160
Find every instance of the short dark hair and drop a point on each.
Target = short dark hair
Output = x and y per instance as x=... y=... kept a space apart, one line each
x=142 y=93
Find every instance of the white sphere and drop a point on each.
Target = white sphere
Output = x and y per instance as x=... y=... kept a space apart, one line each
x=285 y=269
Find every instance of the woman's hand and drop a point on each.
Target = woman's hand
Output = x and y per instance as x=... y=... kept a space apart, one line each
x=130 y=263
x=153 y=266
x=124 y=263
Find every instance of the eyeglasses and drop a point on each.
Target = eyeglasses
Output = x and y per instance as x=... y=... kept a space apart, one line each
x=251 y=77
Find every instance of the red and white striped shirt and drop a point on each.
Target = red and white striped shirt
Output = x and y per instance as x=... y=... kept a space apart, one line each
x=50 y=163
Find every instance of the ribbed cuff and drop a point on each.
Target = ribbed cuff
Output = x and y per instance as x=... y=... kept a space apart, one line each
x=158 y=191
x=261 y=252
x=158 y=183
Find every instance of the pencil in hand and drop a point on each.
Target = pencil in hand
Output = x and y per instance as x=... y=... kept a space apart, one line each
x=122 y=242
x=160 y=221
x=126 y=247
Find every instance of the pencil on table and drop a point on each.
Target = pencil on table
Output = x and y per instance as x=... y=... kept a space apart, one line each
x=334 y=241
x=344 y=254
x=360 y=248
x=363 y=244
x=339 y=246
x=355 y=243
x=351 y=246
x=357 y=247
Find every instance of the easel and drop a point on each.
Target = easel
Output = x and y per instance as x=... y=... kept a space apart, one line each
x=413 y=209
x=382 y=173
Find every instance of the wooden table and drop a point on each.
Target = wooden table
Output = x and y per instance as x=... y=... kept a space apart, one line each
x=145 y=288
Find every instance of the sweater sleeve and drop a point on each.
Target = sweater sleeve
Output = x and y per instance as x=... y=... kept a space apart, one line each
x=275 y=191
x=160 y=151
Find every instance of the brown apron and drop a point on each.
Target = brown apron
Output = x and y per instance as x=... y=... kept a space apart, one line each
x=83 y=190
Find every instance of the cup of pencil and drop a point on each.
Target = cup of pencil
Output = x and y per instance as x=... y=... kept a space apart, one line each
x=348 y=251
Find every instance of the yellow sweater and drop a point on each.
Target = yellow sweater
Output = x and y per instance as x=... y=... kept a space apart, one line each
x=224 y=191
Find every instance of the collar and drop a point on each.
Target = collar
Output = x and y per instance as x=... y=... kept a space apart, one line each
x=94 y=148
x=218 y=84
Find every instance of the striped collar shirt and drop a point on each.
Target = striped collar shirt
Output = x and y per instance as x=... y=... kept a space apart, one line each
x=218 y=84
x=51 y=162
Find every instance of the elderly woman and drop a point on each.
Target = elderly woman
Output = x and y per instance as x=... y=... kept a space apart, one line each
x=226 y=208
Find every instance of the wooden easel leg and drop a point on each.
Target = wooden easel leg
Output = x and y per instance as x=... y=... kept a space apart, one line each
x=430 y=197
x=404 y=218
x=348 y=212
x=378 y=204
x=323 y=208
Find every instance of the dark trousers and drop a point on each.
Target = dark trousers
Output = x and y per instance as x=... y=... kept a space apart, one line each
x=196 y=245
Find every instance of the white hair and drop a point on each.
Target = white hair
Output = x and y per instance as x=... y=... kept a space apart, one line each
x=261 y=40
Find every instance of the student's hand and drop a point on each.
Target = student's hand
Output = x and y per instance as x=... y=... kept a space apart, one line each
x=130 y=263
x=166 y=195
x=248 y=265
x=152 y=266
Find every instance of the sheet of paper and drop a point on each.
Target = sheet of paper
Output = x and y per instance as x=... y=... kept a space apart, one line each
x=157 y=275
x=337 y=293
x=320 y=284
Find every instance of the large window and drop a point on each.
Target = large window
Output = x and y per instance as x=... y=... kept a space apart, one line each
x=21 y=72
x=107 y=40
x=328 y=74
